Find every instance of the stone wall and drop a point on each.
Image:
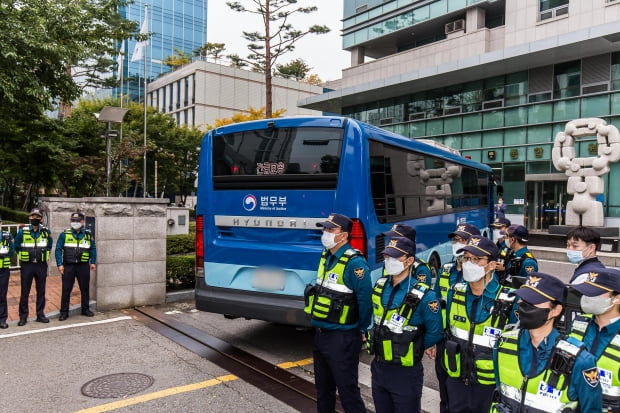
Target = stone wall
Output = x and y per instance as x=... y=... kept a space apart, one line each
x=130 y=234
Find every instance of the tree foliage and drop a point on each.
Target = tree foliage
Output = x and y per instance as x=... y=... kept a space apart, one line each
x=179 y=59
x=213 y=50
x=277 y=38
x=295 y=69
x=251 y=114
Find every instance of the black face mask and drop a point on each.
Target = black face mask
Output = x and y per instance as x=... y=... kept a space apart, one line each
x=35 y=222
x=530 y=316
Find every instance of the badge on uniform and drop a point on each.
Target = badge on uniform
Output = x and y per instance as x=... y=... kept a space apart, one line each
x=591 y=376
x=529 y=269
x=434 y=306
x=422 y=278
x=359 y=273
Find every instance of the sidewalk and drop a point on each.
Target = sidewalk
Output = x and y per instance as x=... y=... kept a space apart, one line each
x=53 y=292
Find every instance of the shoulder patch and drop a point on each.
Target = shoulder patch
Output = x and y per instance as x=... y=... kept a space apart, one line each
x=529 y=269
x=591 y=376
x=421 y=278
x=359 y=272
x=434 y=306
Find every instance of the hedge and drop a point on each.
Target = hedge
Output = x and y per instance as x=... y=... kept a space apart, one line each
x=18 y=217
x=180 y=244
x=180 y=272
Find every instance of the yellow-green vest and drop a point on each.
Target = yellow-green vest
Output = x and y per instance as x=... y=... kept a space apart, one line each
x=607 y=364
x=5 y=248
x=34 y=250
x=392 y=339
x=76 y=251
x=517 y=390
x=469 y=347
x=330 y=300
x=444 y=286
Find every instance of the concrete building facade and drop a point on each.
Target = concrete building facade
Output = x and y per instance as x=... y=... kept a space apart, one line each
x=496 y=79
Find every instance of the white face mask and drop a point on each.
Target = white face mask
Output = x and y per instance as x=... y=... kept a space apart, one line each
x=595 y=305
x=393 y=266
x=497 y=235
x=327 y=239
x=472 y=272
x=507 y=241
x=457 y=246
x=76 y=225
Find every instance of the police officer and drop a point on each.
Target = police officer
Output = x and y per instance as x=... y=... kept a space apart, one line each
x=499 y=232
x=421 y=270
x=407 y=323
x=340 y=308
x=537 y=370
x=478 y=310
x=450 y=275
x=76 y=255
x=520 y=261
x=581 y=246
x=601 y=333
x=7 y=249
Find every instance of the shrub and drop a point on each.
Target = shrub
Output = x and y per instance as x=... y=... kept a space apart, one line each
x=180 y=244
x=12 y=215
x=180 y=272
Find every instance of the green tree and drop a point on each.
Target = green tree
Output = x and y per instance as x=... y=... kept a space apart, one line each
x=179 y=59
x=210 y=49
x=251 y=114
x=277 y=38
x=295 y=69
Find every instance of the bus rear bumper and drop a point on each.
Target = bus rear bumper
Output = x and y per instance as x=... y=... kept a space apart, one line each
x=284 y=309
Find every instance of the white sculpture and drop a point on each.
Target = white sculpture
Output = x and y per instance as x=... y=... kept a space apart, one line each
x=585 y=174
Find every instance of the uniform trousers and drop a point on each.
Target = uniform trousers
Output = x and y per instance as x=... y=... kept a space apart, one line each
x=395 y=388
x=81 y=271
x=442 y=376
x=470 y=398
x=5 y=274
x=336 y=360
x=38 y=272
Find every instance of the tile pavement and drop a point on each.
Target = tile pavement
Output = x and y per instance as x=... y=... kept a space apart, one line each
x=52 y=296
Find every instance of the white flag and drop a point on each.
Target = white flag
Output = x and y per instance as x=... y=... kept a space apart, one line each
x=139 y=48
x=119 y=61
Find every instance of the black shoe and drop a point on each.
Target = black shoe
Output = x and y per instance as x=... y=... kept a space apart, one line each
x=3 y=324
x=88 y=313
x=63 y=317
x=43 y=319
x=22 y=322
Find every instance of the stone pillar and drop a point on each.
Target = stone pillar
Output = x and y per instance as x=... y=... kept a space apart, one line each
x=131 y=246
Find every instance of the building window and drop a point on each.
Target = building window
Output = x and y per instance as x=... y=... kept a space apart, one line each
x=552 y=8
x=567 y=80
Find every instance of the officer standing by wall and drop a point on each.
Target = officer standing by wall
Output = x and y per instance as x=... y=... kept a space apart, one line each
x=421 y=270
x=7 y=248
x=601 y=333
x=340 y=308
x=33 y=243
x=520 y=261
x=537 y=370
x=451 y=274
x=407 y=324
x=581 y=246
x=478 y=310
x=76 y=256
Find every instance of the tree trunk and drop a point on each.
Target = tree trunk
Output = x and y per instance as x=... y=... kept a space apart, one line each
x=268 y=92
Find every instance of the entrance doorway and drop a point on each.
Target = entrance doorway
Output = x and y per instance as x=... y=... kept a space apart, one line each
x=546 y=202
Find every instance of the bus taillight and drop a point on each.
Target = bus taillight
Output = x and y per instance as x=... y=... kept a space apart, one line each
x=358 y=237
x=200 y=246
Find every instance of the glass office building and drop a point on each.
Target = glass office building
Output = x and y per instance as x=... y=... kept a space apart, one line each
x=175 y=24
x=496 y=79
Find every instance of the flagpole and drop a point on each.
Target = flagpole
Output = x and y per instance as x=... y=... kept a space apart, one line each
x=144 y=155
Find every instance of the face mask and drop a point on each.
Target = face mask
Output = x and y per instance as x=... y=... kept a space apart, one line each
x=574 y=257
x=496 y=234
x=327 y=239
x=595 y=305
x=532 y=317
x=76 y=225
x=472 y=272
x=35 y=222
x=456 y=247
x=393 y=266
x=507 y=241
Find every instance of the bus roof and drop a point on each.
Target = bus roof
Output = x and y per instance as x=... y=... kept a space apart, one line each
x=423 y=145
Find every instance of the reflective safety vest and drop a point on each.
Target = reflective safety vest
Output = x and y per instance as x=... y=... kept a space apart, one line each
x=444 y=280
x=392 y=339
x=76 y=251
x=34 y=250
x=330 y=300
x=5 y=247
x=469 y=346
x=537 y=394
x=607 y=365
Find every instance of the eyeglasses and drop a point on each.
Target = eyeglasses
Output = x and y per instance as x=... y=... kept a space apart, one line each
x=473 y=259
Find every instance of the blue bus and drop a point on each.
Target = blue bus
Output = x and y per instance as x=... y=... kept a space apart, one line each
x=263 y=185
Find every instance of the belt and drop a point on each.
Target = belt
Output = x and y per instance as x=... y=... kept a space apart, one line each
x=322 y=330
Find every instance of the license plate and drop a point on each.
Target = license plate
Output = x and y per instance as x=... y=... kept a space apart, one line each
x=268 y=280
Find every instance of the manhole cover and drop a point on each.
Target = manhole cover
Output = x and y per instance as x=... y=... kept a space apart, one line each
x=116 y=385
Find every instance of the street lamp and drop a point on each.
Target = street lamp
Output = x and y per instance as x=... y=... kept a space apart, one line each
x=110 y=115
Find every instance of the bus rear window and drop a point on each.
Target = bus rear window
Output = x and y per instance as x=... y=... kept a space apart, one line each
x=286 y=158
